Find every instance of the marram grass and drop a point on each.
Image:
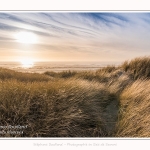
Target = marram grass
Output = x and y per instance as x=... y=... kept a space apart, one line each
x=110 y=102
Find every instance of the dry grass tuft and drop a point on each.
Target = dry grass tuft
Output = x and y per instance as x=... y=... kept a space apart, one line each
x=138 y=67
x=134 y=119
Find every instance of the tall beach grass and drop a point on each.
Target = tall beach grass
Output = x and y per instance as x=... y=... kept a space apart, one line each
x=108 y=102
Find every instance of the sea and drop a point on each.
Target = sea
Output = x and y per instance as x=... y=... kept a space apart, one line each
x=41 y=67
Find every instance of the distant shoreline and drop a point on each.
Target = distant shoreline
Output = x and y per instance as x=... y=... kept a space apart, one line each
x=57 y=66
x=57 y=69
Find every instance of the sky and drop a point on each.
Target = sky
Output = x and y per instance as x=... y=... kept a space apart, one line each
x=73 y=36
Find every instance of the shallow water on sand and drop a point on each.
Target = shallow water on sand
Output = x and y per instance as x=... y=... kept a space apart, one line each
x=41 y=67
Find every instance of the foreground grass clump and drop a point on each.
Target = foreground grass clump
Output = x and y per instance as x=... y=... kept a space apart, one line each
x=134 y=119
x=26 y=77
x=138 y=67
x=62 y=108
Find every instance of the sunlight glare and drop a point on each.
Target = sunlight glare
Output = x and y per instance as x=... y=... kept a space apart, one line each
x=26 y=37
x=27 y=63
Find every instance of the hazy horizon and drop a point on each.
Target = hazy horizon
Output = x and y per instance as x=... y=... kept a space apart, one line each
x=56 y=66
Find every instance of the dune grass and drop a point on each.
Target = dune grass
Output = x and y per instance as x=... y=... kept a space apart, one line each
x=134 y=118
x=138 y=67
x=26 y=77
x=109 y=102
x=73 y=108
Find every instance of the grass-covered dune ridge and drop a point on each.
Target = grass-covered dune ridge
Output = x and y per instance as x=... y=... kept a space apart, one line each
x=19 y=76
x=109 y=102
x=138 y=67
x=134 y=118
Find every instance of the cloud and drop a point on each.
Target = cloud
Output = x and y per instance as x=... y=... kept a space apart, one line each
x=91 y=33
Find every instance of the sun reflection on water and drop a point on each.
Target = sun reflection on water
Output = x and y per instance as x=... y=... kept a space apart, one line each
x=27 y=63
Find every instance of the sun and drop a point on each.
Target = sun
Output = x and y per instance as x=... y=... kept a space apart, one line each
x=26 y=37
x=27 y=63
